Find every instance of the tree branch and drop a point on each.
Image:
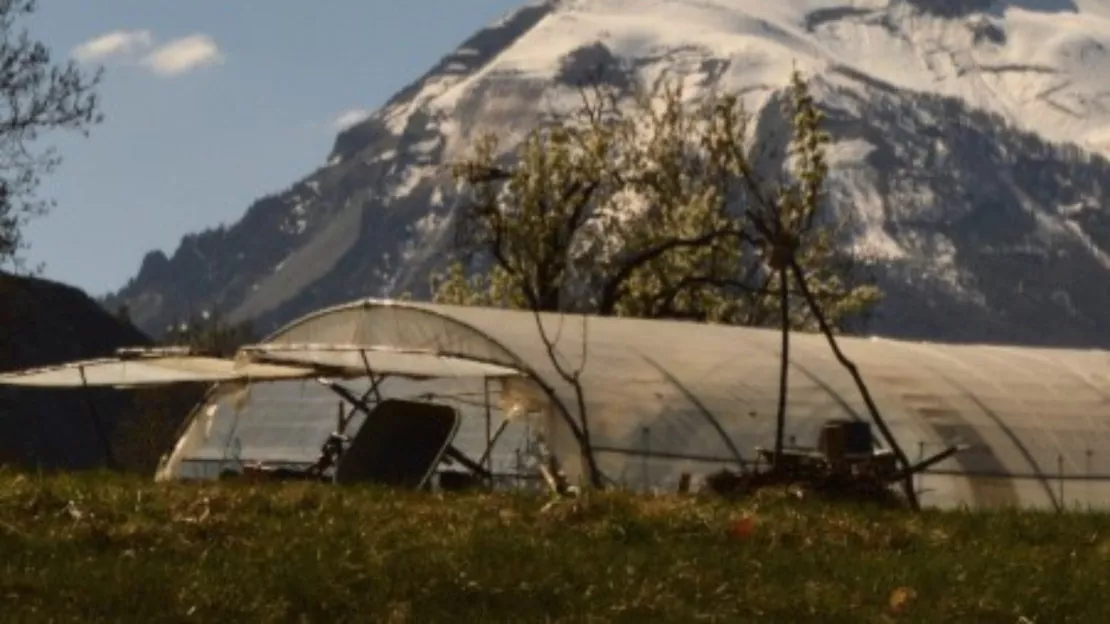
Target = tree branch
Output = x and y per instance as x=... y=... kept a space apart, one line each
x=581 y=433
x=667 y=297
x=613 y=288
x=36 y=95
x=799 y=278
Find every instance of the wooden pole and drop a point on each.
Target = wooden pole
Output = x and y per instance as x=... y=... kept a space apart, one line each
x=489 y=427
x=98 y=426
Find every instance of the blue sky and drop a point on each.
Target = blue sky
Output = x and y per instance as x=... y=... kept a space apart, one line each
x=211 y=104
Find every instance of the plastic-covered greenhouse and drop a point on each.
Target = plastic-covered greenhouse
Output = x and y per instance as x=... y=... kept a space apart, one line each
x=1035 y=423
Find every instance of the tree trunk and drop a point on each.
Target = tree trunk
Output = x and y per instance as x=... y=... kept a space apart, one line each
x=784 y=366
x=907 y=484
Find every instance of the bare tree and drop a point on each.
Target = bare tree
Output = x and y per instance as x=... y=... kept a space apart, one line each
x=572 y=375
x=37 y=96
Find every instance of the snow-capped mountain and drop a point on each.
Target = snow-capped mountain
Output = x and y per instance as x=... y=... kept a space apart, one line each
x=970 y=143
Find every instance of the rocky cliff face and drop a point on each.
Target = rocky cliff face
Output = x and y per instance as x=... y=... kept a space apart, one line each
x=970 y=142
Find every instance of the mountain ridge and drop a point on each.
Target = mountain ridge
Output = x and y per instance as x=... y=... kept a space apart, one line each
x=970 y=142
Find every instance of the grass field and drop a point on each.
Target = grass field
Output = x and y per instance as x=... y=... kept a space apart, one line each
x=112 y=549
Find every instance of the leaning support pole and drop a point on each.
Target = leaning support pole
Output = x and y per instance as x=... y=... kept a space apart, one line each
x=487 y=459
x=476 y=467
x=375 y=382
x=907 y=481
x=98 y=426
x=925 y=464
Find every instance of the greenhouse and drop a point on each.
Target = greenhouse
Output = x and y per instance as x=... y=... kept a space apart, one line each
x=665 y=398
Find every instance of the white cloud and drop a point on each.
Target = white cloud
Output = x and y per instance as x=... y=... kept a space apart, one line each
x=184 y=54
x=169 y=59
x=350 y=117
x=115 y=43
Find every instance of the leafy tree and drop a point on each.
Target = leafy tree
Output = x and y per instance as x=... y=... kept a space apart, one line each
x=652 y=210
x=658 y=209
x=37 y=96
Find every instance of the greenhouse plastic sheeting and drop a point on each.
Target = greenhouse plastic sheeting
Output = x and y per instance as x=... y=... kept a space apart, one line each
x=148 y=371
x=1035 y=422
x=354 y=358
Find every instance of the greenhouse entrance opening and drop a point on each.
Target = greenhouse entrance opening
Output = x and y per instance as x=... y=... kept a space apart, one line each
x=412 y=419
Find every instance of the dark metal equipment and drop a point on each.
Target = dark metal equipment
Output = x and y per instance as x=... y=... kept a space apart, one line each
x=845 y=462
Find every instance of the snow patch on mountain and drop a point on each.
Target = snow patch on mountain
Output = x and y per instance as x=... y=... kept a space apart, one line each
x=969 y=144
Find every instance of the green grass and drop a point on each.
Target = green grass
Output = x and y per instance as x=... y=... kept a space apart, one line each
x=96 y=548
